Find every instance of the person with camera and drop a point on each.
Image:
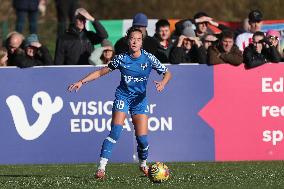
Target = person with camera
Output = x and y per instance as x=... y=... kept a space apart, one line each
x=261 y=51
x=189 y=48
x=274 y=38
x=226 y=52
x=34 y=54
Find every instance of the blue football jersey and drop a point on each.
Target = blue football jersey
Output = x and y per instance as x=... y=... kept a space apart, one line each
x=135 y=71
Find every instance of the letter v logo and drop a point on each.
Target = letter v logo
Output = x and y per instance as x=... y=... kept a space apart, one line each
x=42 y=104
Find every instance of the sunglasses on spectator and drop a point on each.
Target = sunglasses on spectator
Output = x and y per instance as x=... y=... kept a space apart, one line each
x=273 y=37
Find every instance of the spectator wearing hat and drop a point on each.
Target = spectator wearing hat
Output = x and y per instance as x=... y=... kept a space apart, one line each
x=163 y=38
x=255 y=22
x=260 y=51
x=189 y=48
x=23 y=9
x=140 y=21
x=273 y=37
x=102 y=55
x=3 y=57
x=77 y=44
x=35 y=54
x=226 y=52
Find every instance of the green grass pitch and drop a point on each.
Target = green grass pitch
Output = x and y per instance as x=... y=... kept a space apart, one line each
x=120 y=176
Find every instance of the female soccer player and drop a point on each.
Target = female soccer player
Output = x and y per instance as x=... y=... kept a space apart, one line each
x=135 y=67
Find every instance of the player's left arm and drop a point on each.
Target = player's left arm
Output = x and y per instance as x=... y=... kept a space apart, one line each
x=161 y=69
x=160 y=85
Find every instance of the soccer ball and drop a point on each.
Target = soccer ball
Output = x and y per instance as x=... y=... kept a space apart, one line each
x=159 y=172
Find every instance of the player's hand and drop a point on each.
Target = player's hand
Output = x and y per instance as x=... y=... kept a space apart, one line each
x=159 y=85
x=75 y=86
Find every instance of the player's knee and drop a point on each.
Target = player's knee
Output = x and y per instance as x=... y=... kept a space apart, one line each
x=115 y=132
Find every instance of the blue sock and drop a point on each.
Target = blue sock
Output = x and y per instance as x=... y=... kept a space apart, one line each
x=112 y=138
x=142 y=147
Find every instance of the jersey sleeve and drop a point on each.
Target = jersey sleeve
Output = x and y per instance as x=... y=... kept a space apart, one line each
x=115 y=62
x=157 y=65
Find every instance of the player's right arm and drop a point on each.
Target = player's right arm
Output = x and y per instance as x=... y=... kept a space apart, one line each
x=114 y=64
x=90 y=77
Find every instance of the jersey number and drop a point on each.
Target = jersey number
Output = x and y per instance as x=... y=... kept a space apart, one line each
x=120 y=104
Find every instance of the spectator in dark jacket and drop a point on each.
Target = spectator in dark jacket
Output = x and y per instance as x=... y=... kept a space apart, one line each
x=14 y=45
x=164 y=41
x=261 y=51
x=24 y=8
x=35 y=54
x=189 y=48
x=76 y=45
x=226 y=52
x=140 y=21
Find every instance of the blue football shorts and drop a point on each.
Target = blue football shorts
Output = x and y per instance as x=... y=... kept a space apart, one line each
x=135 y=105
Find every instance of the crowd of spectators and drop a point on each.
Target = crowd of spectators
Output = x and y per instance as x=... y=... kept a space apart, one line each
x=192 y=41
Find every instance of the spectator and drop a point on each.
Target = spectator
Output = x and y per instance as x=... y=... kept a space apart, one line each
x=274 y=38
x=255 y=21
x=102 y=55
x=226 y=52
x=35 y=54
x=76 y=45
x=65 y=10
x=261 y=51
x=189 y=48
x=245 y=27
x=140 y=21
x=201 y=21
x=3 y=57
x=209 y=40
x=164 y=41
x=24 y=8
x=14 y=45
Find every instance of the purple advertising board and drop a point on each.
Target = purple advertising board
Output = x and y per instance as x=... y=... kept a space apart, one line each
x=43 y=123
